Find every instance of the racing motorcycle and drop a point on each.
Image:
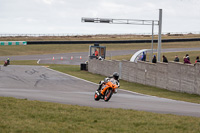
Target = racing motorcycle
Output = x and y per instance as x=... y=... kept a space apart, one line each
x=111 y=86
x=5 y=63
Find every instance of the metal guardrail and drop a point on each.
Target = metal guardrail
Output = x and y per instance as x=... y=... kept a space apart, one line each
x=107 y=42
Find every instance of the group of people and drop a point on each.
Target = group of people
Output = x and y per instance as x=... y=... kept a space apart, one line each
x=154 y=60
x=186 y=59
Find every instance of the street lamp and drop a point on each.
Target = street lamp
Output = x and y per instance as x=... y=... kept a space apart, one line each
x=134 y=22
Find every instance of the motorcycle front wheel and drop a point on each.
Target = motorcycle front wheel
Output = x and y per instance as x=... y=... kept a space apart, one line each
x=108 y=95
x=96 y=96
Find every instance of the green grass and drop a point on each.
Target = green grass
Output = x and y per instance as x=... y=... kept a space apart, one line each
x=60 y=48
x=24 y=116
x=170 y=56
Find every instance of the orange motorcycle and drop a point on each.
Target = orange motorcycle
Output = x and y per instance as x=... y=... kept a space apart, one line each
x=108 y=87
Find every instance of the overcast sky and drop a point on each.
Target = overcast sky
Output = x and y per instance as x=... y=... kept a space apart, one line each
x=64 y=16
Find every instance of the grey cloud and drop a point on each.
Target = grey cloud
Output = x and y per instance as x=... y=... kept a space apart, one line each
x=64 y=16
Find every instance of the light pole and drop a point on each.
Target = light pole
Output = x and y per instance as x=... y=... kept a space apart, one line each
x=159 y=33
x=133 y=22
x=150 y=59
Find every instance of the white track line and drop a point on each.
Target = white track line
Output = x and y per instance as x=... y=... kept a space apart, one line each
x=95 y=83
x=71 y=76
x=118 y=89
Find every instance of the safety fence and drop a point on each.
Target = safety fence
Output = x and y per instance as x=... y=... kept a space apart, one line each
x=78 y=34
x=171 y=76
x=13 y=43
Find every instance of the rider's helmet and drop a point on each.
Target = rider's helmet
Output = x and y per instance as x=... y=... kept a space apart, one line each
x=116 y=76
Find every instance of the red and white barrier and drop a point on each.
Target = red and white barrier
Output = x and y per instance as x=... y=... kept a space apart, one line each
x=71 y=58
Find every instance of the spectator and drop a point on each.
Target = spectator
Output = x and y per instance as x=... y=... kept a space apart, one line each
x=176 y=59
x=197 y=59
x=186 y=61
x=187 y=56
x=165 y=59
x=143 y=57
x=96 y=53
x=154 y=60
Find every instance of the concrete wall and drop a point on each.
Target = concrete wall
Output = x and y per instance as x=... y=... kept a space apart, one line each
x=171 y=76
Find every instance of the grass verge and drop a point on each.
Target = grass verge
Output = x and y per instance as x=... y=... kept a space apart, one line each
x=21 y=115
x=68 y=48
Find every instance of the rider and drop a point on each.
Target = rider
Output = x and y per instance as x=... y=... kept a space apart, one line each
x=8 y=61
x=114 y=79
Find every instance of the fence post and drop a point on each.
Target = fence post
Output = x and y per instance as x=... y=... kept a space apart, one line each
x=120 y=70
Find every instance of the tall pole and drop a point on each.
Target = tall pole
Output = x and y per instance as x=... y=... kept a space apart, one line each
x=152 y=42
x=159 y=33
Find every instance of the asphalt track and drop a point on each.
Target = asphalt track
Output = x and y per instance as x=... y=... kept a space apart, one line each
x=40 y=83
x=47 y=59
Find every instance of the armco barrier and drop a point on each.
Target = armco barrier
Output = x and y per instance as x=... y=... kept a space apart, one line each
x=13 y=43
x=111 y=41
x=171 y=76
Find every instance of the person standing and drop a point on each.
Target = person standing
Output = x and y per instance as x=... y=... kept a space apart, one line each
x=176 y=59
x=187 y=56
x=197 y=59
x=186 y=61
x=154 y=60
x=165 y=59
x=96 y=53
x=143 y=57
